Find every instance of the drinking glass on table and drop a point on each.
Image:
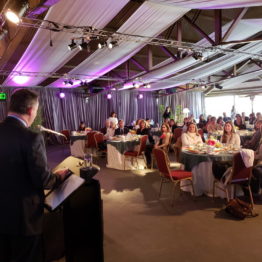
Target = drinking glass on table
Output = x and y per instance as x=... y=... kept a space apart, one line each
x=88 y=159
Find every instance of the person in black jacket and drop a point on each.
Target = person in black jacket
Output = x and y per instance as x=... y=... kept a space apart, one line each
x=122 y=130
x=24 y=176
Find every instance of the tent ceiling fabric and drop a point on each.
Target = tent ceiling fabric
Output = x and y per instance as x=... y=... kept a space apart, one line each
x=245 y=29
x=40 y=57
x=150 y=19
x=210 y=4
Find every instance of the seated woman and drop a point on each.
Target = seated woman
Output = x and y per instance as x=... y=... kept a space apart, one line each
x=81 y=127
x=211 y=125
x=164 y=140
x=202 y=122
x=238 y=122
x=230 y=137
x=220 y=123
x=191 y=136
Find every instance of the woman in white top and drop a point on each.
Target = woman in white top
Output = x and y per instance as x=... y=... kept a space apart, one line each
x=230 y=137
x=110 y=132
x=191 y=137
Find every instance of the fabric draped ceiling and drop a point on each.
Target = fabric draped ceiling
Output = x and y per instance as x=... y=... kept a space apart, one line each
x=40 y=57
x=59 y=114
x=210 y=4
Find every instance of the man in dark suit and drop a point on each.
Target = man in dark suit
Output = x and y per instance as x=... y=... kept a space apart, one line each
x=122 y=130
x=24 y=176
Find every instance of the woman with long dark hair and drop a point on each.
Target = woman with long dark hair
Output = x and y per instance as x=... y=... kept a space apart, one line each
x=230 y=137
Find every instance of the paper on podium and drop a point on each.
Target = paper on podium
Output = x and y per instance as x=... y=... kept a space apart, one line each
x=58 y=195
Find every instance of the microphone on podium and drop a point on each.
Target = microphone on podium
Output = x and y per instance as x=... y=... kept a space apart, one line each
x=43 y=129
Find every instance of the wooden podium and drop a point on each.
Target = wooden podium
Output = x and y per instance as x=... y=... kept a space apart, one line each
x=76 y=230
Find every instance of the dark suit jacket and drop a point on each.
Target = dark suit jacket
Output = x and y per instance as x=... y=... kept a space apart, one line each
x=146 y=131
x=118 y=131
x=24 y=175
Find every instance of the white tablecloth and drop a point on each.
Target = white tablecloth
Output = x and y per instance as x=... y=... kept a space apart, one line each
x=116 y=160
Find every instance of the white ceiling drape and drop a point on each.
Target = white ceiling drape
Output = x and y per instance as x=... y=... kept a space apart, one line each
x=150 y=19
x=40 y=57
x=212 y=67
x=210 y=4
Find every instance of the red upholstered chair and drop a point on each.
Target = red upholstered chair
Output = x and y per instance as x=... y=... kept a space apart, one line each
x=90 y=140
x=66 y=138
x=168 y=175
x=99 y=138
x=240 y=175
x=136 y=154
x=177 y=133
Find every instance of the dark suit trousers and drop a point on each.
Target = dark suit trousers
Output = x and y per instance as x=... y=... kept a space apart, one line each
x=21 y=248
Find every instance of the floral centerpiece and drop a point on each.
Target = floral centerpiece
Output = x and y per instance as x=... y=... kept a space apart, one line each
x=211 y=141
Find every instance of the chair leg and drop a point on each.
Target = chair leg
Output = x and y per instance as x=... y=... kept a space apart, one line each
x=193 y=189
x=160 y=189
x=124 y=163
x=227 y=194
x=173 y=194
x=214 y=187
x=137 y=165
x=152 y=162
x=251 y=196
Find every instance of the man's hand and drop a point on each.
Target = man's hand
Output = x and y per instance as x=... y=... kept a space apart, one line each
x=62 y=173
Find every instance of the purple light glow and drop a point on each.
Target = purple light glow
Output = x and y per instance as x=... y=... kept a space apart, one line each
x=20 y=80
x=140 y=96
x=62 y=95
x=109 y=96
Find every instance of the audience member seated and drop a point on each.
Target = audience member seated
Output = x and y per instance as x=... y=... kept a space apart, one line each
x=81 y=127
x=211 y=125
x=148 y=123
x=230 y=137
x=113 y=118
x=107 y=126
x=164 y=140
x=143 y=130
x=202 y=122
x=244 y=118
x=238 y=122
x=137 y=125
x=220 y=123
x=110 y=131
x=253 y=143
x=186 y=122
x=172 y=125
x=191 y=136
x=122 y=130
x=225 y=117
x=252 y=119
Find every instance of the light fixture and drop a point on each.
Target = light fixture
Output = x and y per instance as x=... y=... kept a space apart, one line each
x=198 y=56
x=109 y=96
x=83 y=45
x=147 y=86
x=61 y=95
x=135 y=85
x=21 y=79
x=16 y=10
x=70 y=82
x=101 y=45
x=140 y=96
x=218 y=86
x=65 y=82
x=72 y=45
x=111 y=44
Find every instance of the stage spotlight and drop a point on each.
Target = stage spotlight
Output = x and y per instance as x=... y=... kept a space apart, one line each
x=135 y=85
x=83 y=45
x=147 y=85
x=140 y=96
x=61 y=95
x=72 y=45
x=109 y=96
x=101 y=45
x=218 y=86
x=16 y=10
x=198 y=56
x=111 y=44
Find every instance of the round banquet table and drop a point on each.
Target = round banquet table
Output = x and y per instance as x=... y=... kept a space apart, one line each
x=201 y=167
x=77 y=145
x=115 y=154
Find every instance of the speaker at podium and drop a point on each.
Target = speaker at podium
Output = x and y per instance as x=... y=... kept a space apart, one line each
x=75 y=229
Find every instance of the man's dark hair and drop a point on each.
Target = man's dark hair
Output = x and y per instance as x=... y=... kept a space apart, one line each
x=21 y=100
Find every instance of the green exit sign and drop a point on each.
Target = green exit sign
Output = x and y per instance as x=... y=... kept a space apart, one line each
x=2 y=96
